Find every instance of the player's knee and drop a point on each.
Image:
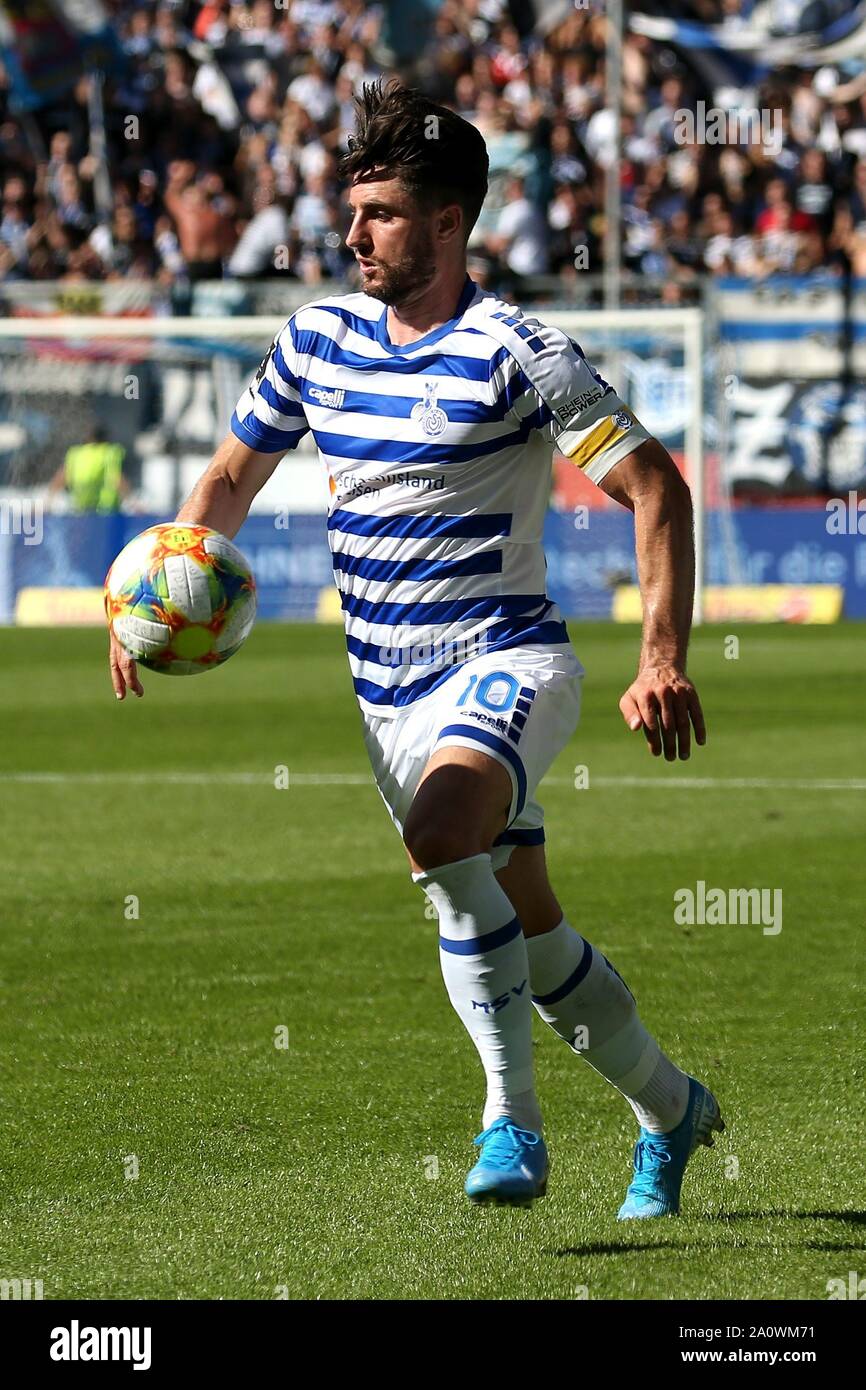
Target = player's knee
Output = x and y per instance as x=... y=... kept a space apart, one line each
x=431 y=843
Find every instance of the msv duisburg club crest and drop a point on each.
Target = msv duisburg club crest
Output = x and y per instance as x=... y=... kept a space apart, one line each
x=431 y=416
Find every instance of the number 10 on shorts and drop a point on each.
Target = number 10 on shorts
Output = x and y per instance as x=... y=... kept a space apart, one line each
x=497 y=691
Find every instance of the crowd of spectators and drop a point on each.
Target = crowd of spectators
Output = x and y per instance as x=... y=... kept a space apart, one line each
x=226 y=124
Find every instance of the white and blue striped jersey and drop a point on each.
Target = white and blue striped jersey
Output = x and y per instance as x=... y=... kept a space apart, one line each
x=439 y=457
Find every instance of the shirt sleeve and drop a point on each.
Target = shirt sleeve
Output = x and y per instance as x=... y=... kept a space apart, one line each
x=572 y=404
x=269 y=416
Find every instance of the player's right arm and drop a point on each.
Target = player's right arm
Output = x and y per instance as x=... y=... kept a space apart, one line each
x=267 y=423
x=224 y=493
x=220 y=499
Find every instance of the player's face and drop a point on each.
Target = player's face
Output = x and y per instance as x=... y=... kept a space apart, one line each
x=392 y=239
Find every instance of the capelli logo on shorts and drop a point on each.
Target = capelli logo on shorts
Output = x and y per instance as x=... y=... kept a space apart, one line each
x=77 y=1343
x=500 y=725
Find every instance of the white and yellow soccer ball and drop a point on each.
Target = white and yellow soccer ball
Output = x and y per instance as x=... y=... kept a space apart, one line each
x=180 y=599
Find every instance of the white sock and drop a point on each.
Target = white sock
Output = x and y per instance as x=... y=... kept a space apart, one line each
x=482 y=951
x=580 y=995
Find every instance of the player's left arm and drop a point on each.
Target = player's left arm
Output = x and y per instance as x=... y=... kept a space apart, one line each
x=661 y=699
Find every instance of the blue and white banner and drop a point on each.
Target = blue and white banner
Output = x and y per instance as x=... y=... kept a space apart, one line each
x=793 y=352
x=841 y=37
x=796 y=436
x=793 y=326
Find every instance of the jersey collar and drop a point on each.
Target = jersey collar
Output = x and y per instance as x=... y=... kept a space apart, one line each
x=466 y=298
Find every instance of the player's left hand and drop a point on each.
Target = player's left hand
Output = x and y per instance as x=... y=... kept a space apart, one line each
x=663 y=702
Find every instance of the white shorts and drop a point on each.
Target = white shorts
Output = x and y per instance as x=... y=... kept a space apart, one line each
x=520 y=706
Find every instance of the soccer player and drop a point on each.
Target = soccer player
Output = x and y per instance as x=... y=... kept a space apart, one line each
x=435 y=407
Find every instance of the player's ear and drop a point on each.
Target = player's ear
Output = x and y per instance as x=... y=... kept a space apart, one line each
x=450 y=222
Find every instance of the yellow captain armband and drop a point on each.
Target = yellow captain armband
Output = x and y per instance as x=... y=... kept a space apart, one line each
x=583 y=446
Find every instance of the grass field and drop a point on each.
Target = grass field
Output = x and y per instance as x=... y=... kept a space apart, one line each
x=148 y=1044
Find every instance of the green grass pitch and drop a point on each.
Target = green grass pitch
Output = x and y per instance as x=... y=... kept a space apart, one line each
x=157 y=1143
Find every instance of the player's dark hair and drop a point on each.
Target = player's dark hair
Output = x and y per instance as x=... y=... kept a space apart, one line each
x=438 y=157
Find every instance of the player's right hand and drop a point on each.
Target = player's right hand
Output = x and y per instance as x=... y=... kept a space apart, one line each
x=124 y=672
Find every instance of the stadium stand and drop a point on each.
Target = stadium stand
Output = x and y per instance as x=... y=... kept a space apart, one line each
x=224 y=122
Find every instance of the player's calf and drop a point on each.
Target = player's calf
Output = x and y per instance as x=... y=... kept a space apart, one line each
x=583 y=998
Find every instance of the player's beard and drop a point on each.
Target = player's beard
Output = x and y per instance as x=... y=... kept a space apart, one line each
x=406 y=277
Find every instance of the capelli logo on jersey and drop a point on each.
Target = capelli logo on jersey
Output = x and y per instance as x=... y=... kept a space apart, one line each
x=428 y=414
x=332 y=400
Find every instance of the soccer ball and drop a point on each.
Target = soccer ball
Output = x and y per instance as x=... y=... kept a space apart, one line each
x=180 y=599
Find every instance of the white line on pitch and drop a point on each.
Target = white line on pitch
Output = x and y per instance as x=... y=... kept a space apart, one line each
x=253 y=779
x=362 y=779
x=823 y=784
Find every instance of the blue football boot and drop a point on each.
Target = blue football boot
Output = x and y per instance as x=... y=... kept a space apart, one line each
x=513 y=1165
x=660 y=1159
